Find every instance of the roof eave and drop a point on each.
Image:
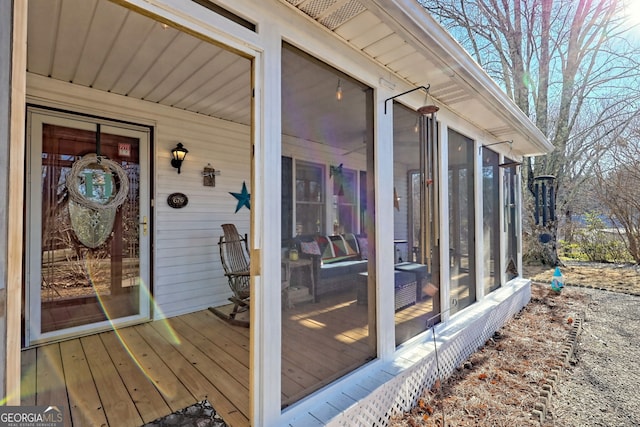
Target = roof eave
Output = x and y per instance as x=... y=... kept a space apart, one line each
x=409 y=18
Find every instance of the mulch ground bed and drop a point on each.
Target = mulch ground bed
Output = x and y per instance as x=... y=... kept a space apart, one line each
x=500 y=384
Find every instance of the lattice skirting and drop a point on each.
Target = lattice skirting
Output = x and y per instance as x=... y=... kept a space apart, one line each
x=456 y=341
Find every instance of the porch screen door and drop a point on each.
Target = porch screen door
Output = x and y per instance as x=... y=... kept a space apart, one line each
x=87 y=267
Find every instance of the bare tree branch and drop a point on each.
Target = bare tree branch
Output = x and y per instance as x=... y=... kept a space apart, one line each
x=568 y=64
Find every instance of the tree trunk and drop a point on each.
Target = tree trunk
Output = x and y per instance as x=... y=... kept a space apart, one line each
x=538 y=252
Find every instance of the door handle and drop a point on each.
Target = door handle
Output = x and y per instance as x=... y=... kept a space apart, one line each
x=145 y=226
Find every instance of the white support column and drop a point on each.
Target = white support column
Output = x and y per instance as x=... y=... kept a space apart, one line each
x=6 y=18
x=445 y=270
x=479 y=220
x=518 y=191
x=13 y=60
x=503 y=228
x=266 y=315
x=384 y=224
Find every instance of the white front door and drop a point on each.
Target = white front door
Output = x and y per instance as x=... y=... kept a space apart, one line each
x=87 y=266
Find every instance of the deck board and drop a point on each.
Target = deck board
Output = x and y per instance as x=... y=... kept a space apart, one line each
x=84 y=401
x=335 y=336
x=152 y=365
x=225 y=361
x=28 y=378
x=237 y=346
x=149 y=401
x=178 y=368
x=118 y=406
x=50 y=386
x=197 y=382
x=234 y=389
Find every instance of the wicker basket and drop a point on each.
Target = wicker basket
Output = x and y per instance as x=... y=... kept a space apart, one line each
x=405 y=291
x=405 y=295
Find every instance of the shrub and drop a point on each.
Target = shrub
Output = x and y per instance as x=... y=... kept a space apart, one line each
x=598 y=245
x=571 y=250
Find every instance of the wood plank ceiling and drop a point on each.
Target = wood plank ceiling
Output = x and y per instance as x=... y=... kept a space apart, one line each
x=99 y=44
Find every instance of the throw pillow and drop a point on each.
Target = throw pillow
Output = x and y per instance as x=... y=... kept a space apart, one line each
x=363 y=244
x=326 y=248
x=310 y=248
x=351 y=243
x=339 y=246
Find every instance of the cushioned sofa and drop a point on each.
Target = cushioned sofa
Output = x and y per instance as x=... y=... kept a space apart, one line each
x=338 y=259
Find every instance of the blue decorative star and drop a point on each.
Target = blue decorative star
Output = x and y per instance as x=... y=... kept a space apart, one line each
x=244 y=198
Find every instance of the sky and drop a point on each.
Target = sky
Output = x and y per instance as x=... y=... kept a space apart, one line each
x=632 y=8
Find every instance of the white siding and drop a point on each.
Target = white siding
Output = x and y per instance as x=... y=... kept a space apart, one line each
x=187 y=274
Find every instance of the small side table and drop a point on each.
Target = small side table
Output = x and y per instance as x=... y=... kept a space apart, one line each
x=420 y=270
x=288 y=266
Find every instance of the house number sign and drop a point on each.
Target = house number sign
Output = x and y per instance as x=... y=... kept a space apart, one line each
x=177 y=200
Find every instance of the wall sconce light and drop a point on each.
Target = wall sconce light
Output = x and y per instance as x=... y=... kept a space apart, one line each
x=339 y=91
x=177 y=156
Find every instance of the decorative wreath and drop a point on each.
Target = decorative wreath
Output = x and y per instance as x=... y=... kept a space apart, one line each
x=75 y=176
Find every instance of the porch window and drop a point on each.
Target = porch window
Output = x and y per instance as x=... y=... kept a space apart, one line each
x=310 y=198
x=416 y=266
x=344 y=202
x=511 y=220
x=328 y=285
x=490 y=219
x=461 y=222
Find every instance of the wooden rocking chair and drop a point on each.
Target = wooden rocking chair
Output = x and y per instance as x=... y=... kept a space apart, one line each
x=234 y=254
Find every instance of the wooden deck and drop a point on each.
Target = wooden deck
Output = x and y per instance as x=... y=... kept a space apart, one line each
x=137 y=374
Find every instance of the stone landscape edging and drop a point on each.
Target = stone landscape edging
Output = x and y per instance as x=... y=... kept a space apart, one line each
x=541 y=407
